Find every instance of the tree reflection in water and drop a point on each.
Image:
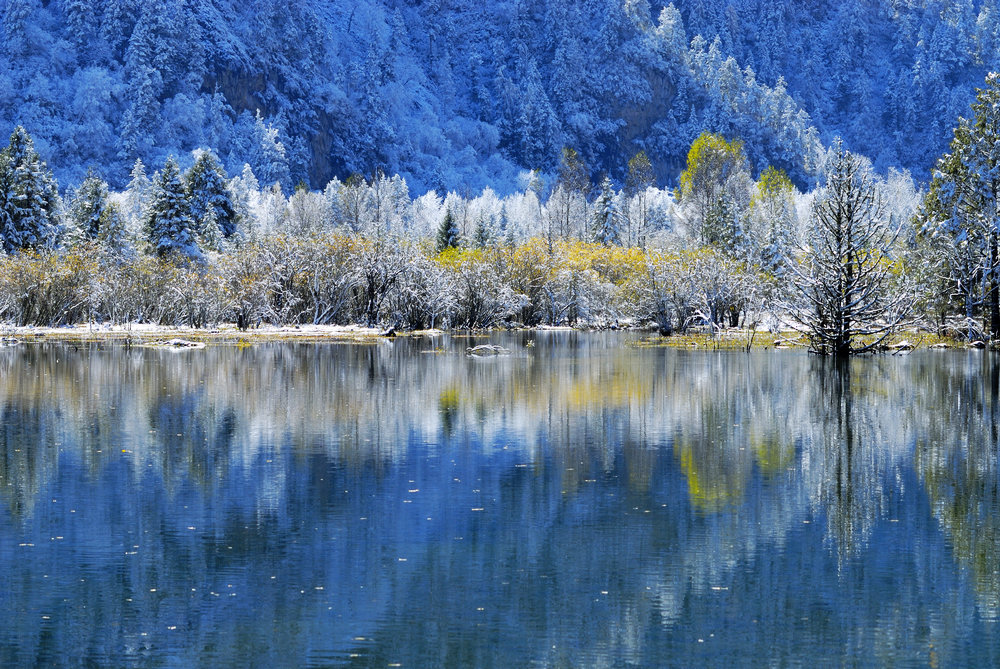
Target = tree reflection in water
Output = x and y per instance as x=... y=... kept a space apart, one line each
x=585 y=501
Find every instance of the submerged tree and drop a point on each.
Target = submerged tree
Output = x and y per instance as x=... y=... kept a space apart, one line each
x=849 y=303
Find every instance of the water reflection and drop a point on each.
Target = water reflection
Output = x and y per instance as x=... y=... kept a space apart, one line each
x=583 y=501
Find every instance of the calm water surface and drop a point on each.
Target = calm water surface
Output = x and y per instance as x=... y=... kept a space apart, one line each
x=582 y=502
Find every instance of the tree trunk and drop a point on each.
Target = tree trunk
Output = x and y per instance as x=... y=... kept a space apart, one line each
x=994 y=293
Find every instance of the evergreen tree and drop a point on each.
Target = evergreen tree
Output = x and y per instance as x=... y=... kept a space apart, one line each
x=209 y=232
x=113 y=234
x=137 y=195
x=88 y=205
x=772 y=220
x=724 y=229
x=267 y=154
x=606 y=217
x=209 y=194
x=448 y=233
x=82 y=21
x=29 y=199
x=568 y=202
x=169 y=226
x=117 y=24
x=15 y=17
x=482 y=236
x=964 y=196
x=145 y=85
x=245 y=190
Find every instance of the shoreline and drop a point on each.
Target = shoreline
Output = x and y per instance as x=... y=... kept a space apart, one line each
x=229 y=334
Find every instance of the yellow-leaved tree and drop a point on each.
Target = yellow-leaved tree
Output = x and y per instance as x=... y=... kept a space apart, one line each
x=715 y=186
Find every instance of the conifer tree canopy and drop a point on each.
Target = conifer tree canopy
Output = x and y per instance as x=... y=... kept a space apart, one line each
x=169 y=225
x=29 y=198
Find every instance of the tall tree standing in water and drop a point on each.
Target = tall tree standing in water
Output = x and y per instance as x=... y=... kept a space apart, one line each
x=849 y=303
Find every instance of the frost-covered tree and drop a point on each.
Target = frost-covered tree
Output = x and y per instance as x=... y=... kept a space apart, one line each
x=568 y=203
x=145 y=84
x=308 y=212
x=15 y=17
x=137 y=196
x=29 y=199
x=483 y=235
x=723 y=228
x=448 y=234
x=266 y=153
x=113 y=232
x=606 y=215
x=246 y=192
x=772 y=220
x=88 y=204
x=850 y=302
x=170 y=228
x=270 y=209
x=528 y=124
x=208 y=192
x=715 y=177
x=82 y=21
x=964 y=204
x=640 y=178
x=354 y=203
x=389 y=200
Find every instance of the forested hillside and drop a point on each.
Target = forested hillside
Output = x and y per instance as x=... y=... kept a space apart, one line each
x=458 y=95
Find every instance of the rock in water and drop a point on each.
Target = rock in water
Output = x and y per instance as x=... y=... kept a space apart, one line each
x=486 y=350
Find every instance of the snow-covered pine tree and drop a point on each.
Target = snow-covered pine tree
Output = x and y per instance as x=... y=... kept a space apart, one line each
x=14 y=19
x=448 y=232
x=82 y=21
x=482 y=236
x=88 y=204
x=117 y=24
x=144 y=86
x=606 y=218
x=208 y=191
x=722 y=227
x=246 y=194
x=266 y=154
x=29 y=197
x=137 y=196
x=169 y=226
x=113 y=233
x=209 y=233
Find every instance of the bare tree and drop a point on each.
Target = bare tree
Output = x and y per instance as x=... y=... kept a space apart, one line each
x=850 y=301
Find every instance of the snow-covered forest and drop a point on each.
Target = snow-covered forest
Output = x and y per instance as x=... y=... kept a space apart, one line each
x=197 y=247
x=457 y=95
x=445 y=163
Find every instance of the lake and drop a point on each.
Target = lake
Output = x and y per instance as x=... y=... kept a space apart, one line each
x=587 y=500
